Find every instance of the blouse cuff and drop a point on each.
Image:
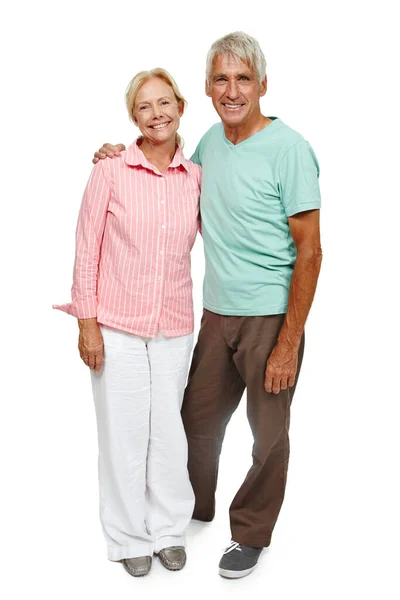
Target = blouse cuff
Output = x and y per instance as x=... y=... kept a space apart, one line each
x=81 y=309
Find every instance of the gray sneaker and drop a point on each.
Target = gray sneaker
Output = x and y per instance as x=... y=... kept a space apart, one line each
x=238 y=560
x=137 y=567
x=173 y=558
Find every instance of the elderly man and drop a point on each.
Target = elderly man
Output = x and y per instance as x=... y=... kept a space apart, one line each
x=260 y=222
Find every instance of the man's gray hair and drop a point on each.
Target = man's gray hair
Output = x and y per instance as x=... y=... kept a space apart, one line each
x=243 y=47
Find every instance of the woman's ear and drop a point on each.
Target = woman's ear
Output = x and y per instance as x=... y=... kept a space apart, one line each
x=181 y=108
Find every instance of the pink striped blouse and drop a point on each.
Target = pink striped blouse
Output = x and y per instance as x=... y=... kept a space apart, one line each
x=135 y=231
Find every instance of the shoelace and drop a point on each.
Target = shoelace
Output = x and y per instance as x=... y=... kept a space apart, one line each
x=233 y=546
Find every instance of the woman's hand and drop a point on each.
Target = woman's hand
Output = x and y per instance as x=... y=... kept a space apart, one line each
x=90 y=343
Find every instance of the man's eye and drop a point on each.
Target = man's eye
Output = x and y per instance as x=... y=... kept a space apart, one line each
x=244 y=78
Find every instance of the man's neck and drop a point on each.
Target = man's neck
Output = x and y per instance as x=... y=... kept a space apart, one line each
x=241 y=133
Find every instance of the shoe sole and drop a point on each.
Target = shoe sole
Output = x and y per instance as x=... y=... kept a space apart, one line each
x=236 y=574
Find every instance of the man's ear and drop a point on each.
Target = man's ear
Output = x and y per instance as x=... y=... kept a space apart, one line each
x=208 y=88
x=264 y=86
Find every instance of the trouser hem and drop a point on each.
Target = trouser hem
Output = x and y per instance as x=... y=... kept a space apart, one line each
x=167 y=542
x=118 y=553
x=203 y=516
x=253 y=542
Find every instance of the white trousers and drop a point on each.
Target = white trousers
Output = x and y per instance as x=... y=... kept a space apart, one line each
x=146 y=500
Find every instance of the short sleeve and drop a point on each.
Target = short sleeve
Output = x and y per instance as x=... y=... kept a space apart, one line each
x=298 y=174
x=196 y=155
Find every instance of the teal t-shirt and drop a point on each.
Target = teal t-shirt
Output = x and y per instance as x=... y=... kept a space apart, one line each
x=248 y=192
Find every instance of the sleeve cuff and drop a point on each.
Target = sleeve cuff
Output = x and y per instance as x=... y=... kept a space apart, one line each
x=81 y=309
x=294 y=210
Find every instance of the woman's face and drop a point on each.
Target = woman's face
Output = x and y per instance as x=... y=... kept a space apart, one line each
x=156 y=111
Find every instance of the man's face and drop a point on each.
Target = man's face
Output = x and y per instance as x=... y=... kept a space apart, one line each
x=235 y=90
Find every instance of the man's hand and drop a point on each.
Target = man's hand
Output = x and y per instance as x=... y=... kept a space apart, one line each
x=282 y=363
x=90 y=343
x=281 y=369
x=108 y=150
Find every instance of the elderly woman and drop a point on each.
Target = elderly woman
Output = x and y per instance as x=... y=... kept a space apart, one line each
x=132 y=296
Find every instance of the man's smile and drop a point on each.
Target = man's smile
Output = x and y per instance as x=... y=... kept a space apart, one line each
x=232 y=106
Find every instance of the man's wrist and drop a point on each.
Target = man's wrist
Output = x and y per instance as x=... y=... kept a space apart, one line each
x=289 y=340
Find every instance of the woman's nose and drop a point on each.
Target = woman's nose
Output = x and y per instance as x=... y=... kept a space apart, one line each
x=156 y=111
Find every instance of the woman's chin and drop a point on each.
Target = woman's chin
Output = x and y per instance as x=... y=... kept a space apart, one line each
x=162 y=138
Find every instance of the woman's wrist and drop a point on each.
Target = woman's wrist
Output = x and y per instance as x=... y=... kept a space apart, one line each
x=87 y=323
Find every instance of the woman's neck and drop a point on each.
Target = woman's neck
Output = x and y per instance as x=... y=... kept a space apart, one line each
x=159 y=155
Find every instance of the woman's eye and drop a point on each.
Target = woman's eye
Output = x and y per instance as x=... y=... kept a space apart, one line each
x=144 y=107
x=165 y=102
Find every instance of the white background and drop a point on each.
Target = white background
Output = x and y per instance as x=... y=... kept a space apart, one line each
x=332 y=75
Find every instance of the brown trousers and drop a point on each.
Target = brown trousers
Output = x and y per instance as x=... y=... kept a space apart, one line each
x=231 y=354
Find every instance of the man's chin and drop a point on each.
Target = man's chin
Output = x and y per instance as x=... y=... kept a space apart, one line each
x=232 y=119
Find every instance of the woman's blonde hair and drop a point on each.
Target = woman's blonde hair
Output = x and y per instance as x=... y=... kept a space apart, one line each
x=141 y=78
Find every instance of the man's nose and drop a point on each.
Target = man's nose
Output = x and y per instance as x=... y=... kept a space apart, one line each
x=232 y=91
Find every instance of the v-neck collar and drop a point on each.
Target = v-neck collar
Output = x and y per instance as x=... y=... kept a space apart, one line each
x=275 y=121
